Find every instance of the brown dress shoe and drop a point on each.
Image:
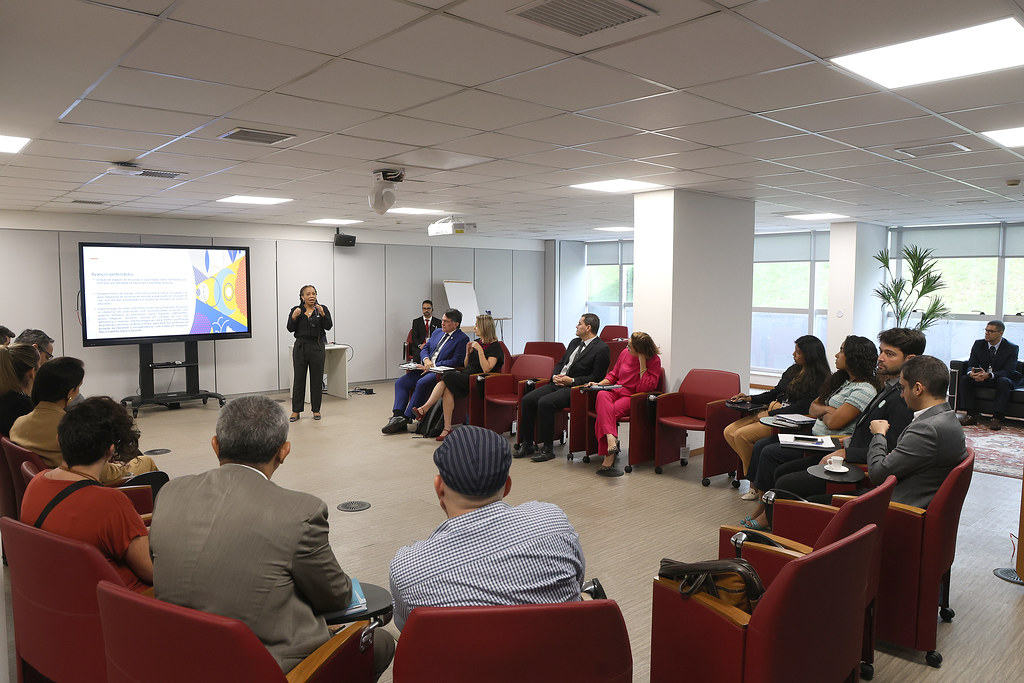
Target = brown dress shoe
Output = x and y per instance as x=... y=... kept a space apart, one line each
x=967 y=420
x=995 y=424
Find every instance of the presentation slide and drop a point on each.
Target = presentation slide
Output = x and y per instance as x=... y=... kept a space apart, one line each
x=133 y=294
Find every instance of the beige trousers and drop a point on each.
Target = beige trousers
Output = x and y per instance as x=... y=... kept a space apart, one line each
x=745 y=432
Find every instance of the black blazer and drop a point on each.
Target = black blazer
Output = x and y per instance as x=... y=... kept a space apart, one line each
x=1005 y=363
x=889 y=405
x=590 y=366
x=420 y=334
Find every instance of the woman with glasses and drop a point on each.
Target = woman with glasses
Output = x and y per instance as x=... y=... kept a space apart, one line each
x=18 y=363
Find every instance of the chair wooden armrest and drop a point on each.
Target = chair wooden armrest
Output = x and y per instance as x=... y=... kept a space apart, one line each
x=727 y=532
x=147 y=518
x=670 y=404
x=318 y=665
x=907 y=509
x=800 y=520
x=732 y=615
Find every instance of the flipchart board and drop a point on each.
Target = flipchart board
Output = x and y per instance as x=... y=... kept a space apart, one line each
x=462 y=296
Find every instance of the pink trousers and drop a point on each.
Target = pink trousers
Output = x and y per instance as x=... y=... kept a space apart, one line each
x=610 y=407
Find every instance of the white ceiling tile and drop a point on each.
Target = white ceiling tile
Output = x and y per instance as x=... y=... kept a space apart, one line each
x=752 y=169
x=965 y=160
x=626 y=169
x=680 y=178
x=780 y=148
x=508 y=169
x=701 y=158
x=288 y=110
x=705 y=50
x=105 y=114
x=353 y=147
x=460 y=52
x=237 y=151
x=65 y=150
x=817 y=162
x=435 y=158
x=480 y=110
x=566 y=158
x=732 y=131
x=787 y=87
x=664 y=111
x=301 y=159
x=641 y=145
x=991 y=118
x=896 y=132
x=105 y=137
x=159 y=91
x=998 y=87
x=364 y=85
x=569 y=130
x=408 y=131
x=846 y=113
x=496 y=145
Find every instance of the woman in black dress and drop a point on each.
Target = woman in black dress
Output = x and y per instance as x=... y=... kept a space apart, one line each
x=309 y=321
x=483 y=355
x=18 y=363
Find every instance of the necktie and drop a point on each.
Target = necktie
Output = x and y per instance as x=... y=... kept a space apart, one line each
x=434 y=355
x=572 y=358
x=991 y=354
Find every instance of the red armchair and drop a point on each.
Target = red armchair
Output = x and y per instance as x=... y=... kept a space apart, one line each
x=182 y=644
x=553 y=350
x=469 y=409
x=503 y=392
x=807 y=626
x=917 y=553
x=516 y=643
x=583 y=421
x=15 y=455
x=613 y=332
x=686 y=410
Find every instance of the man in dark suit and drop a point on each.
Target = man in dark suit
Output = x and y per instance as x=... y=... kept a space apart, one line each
x=446 y=346
x=993 y=363
x=586 y=360
x=422 y=328
x=231 y=542
x=930 y=447
x=896 y=347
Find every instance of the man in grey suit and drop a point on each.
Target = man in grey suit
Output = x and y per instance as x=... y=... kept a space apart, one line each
x=930 y=447
x=231 y=542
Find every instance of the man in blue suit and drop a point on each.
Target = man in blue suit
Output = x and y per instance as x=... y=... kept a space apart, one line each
x=993 y=363
x=446 y=346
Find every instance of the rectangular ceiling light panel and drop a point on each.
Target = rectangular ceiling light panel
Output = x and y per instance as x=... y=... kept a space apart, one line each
x=933 y=150
x=966 y=52
x=262 y=137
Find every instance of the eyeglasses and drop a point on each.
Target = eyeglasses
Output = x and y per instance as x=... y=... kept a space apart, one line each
x=989 y=331
x=46 y=355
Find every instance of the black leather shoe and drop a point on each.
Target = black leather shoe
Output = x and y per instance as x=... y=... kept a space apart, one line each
x=967 y=420
x=395 y=425
x=544 y=455
x=521 y=450
x=995 y=424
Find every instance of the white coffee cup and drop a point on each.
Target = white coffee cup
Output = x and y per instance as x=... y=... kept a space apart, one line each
x=835 y=462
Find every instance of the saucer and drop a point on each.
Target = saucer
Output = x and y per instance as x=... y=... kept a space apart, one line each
x=836 y=470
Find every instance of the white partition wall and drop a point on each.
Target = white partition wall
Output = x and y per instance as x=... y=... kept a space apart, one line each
x=449 y=263
x=298 y=264
x=407 y=283
x=529 y=304
x=572 y=289
x=853 y=276
x=360 y=309
x=493 y=280
x=31 y=295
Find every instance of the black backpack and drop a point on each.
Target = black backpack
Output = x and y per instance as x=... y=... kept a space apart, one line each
x=432 y=423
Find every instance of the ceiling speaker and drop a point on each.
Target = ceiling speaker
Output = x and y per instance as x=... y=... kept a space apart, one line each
x=341 y=240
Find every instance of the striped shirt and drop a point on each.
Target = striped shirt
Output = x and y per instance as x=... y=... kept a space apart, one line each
x=496 y=555
x=857 y=394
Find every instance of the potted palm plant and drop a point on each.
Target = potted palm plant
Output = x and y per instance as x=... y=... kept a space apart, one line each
x=903 y=294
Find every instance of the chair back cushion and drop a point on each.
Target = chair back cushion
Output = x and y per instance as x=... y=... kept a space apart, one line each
x=553 y=350
x=151 y=641
x=612 y=332
x=870 y=508
x=614 y=349
x=532 y=366
x=701 y=387
x=809 y=623
x=15 y=455
x=512 y=644
x=943 y=516
x=8 y=500
x=53 y=594
x=28 y=470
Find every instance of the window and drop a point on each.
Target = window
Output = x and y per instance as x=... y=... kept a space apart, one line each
x=610 y=282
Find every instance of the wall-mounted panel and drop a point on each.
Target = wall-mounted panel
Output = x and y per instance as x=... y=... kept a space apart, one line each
x=406 y=284
x=360 y=309
x=300 y=264
x=493 y=278
x=528 y=300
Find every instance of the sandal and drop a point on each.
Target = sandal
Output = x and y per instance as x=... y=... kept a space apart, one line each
x=444 y=433
x=750 y=495
x=754 y=525
x=293 y=418
x=316 y=416
x=419 y=413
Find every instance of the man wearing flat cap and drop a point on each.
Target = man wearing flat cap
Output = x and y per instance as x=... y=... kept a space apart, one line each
x=487 y=552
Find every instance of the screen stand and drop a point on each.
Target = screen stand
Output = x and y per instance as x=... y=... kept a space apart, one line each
x=173 y=399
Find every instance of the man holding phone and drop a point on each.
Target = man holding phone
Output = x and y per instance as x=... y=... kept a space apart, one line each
x=993 y=364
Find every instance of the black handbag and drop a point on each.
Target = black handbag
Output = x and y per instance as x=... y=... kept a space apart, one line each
x=733 y=581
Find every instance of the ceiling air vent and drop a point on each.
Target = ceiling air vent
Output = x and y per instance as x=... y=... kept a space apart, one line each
x=262 y=137
x=582 y=17
x=933 y=150
x=87 y=201
x=153 y=173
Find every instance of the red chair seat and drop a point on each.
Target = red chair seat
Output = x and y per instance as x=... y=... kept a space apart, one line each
x=504 y=399
x=683 y=422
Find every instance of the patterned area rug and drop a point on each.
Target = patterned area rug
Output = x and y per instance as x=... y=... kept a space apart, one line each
x=999 y=452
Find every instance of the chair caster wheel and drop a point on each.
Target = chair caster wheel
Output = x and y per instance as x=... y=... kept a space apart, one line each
x=586 y=458
x=683 y=462
x=933 y=658
x=732 y=474
x=222 y=402
x=204 y=401
x=735 y=483
x=867 y=671
x=628 y=468
x=947 y=614
x=570 y=457
x=657 y=470
x=705 y=482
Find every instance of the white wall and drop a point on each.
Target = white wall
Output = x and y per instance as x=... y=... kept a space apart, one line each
x=572 y=289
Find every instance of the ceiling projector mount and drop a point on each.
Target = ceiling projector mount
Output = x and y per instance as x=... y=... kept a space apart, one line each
x=382 y=195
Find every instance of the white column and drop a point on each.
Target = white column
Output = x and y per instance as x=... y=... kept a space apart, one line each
x=853 y=275
x=692 y=280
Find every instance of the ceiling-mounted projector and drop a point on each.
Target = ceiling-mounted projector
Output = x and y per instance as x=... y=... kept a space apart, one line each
x=125 y=168
x=450 y=225
x=382 y=194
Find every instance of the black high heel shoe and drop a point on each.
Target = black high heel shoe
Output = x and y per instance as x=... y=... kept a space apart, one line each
x=611 y=470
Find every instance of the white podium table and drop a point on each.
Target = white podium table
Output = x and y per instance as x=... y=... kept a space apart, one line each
x=335 y=368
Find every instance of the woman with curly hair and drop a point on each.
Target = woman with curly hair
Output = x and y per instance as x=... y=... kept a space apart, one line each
x=842 y=398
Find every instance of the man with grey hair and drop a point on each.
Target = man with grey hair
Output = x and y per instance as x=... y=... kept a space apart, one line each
x=230 y=542
x=39 y=339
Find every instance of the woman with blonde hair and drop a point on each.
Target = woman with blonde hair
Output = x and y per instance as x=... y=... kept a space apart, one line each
x=18 y=363
x=483 y=355
x=635 y=371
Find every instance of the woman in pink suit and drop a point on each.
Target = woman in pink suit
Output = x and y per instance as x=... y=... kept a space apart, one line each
x=634 y=372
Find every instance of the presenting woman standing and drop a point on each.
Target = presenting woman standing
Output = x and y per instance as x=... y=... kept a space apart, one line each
x=309 y=321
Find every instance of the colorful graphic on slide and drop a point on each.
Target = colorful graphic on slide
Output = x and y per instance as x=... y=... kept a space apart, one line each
x=221 y=304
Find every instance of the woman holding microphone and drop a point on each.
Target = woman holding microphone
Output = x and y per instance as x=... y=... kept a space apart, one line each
x=309 y=322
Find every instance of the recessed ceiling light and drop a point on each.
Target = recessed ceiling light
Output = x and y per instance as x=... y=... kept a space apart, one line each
x=618 y=185
x=622 y=229
x=816 y=216
x=1007 y=137
x=12 y=145
x=333 y=221
x=247 y=199
x=416 y=212
x=968 y=51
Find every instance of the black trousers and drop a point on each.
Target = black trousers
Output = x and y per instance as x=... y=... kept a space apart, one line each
x=1004 y=386
x=308 y=356
x=539 y=407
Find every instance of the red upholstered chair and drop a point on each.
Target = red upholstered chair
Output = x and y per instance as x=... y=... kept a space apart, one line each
x=583 y=414
x=578 y=429
x=503 y=392
x=157 y=642
x=469 y=409
x=719 y=457
x=917 y=553
x=28 y=471
x=554 y=350
x=15 y=455
x=513 y=644
x=408 y=352
x=613 y=332
x=799 y=527
x=686 y=411
x=807 y=627
x=53 y=594
x=8 y=499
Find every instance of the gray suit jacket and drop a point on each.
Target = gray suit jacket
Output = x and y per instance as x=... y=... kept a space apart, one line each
x=232 y=543
x=927 y=451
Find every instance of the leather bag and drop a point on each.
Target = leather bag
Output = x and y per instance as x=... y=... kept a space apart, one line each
x=733 y=581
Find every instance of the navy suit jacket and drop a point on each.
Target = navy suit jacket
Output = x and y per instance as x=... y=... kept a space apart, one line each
x=454 y=352
x=1005 y=362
